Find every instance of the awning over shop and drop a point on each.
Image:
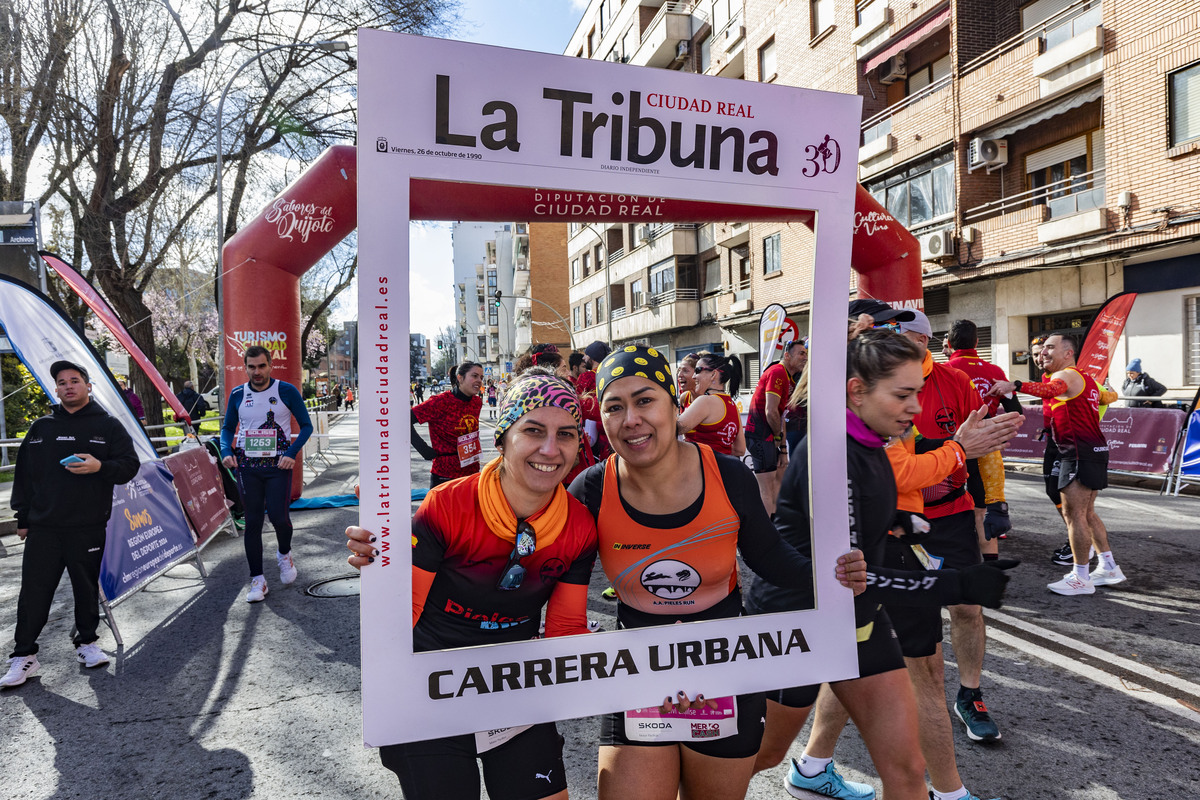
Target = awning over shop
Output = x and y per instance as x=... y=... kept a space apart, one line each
x=1052 y=109
x=922 y=31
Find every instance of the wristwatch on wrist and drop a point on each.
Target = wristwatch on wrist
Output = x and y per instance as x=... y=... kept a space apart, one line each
x=1017 y=385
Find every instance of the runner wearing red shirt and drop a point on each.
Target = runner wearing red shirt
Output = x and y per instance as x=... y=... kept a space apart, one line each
x=713 y=418
x=987 y=473
x=453 y=419
x=947 y=398
x=764 y=424
x=1071 y=405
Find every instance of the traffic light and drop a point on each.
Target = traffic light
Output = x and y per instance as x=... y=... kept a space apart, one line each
x=440 y=345
x=499 y=294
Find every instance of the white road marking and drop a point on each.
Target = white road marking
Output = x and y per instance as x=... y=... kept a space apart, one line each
x=1099 y=677
x=1091 y=673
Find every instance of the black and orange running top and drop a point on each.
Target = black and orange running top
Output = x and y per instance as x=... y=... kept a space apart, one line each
x=451 y=538
x=1074 y=421
x=683 y=566
x=719 y=435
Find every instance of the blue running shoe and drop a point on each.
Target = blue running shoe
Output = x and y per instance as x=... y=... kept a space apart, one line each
x=828 y=784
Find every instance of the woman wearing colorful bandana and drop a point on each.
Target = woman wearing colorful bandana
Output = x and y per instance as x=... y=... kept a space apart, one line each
x=475 y=541
x=677 y=562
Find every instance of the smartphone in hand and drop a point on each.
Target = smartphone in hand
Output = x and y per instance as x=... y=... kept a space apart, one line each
x=71 y=459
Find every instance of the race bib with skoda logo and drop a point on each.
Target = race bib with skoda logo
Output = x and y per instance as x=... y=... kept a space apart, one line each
x=261 y=443
x=694 y=725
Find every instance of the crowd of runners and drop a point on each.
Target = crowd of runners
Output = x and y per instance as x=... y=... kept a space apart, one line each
x=586 y=444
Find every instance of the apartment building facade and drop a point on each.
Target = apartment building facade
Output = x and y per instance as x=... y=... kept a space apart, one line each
x=1045 y=154
x=485 y=256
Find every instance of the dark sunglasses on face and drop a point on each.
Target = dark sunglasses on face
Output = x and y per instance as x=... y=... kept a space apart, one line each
x=514 y=574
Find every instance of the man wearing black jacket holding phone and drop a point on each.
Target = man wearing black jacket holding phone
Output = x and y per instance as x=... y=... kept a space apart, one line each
x=66 y=469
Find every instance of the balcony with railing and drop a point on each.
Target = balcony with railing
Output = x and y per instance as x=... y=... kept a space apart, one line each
x=1055 y=56
x=918 y=123
x=675 y=308
x=743 y=297
x=666 y=39
x=1061 y=210
x=728 y=48
x=731 y=234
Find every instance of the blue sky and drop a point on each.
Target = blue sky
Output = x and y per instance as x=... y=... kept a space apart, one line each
x=544 y=25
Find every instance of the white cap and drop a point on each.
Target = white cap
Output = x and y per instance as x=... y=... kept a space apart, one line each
x=919 y=324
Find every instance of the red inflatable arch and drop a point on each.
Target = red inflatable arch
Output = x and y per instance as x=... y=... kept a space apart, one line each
x=265 y=260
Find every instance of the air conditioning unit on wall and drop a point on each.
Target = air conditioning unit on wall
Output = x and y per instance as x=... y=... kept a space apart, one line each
x=990 y=153
x=894 y=69
x=937 y=246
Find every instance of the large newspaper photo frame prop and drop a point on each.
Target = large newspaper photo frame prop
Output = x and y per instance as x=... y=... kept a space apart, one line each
x=489 y=118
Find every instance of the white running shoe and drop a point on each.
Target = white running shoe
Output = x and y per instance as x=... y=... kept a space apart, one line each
x=1107 y=577
x=20 y=668
x=258 y=589
x=1071 y=584
x=287 y=568
x=90 y=655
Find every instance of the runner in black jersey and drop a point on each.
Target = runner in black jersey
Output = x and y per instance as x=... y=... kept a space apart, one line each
x=489 y=552
x=671 y=556
x=881 y=396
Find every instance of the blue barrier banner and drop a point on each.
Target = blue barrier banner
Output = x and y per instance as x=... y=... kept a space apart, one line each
x=1190 y=462
x=147 y=532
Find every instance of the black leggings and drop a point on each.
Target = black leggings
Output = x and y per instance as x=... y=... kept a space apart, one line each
x=268 y=488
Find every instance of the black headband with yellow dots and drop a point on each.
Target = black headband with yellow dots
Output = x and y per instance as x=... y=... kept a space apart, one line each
x=635 y=360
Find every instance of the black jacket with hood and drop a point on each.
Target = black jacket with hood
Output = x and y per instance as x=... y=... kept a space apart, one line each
x=47 y=495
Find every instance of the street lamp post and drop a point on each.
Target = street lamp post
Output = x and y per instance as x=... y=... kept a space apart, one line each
x=332 y=46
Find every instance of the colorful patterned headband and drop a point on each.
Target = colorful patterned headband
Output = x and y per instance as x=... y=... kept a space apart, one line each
x=536 y=391
x=635 y=360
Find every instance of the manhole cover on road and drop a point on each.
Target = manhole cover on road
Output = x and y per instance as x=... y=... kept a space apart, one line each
x=346 y=586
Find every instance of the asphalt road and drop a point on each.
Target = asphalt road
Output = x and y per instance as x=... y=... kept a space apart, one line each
x=1097 y=697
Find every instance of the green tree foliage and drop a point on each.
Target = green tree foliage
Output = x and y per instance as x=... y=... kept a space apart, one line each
x=22 y=405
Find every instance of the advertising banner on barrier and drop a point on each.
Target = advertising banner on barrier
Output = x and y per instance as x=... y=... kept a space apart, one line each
x=198 y=483
x=610 y=142
x=1139 y=439
x=147 y=532
x=1190 y=462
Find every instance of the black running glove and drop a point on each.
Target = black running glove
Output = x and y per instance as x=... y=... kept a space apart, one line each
x=983 y=584
x=996 y=521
